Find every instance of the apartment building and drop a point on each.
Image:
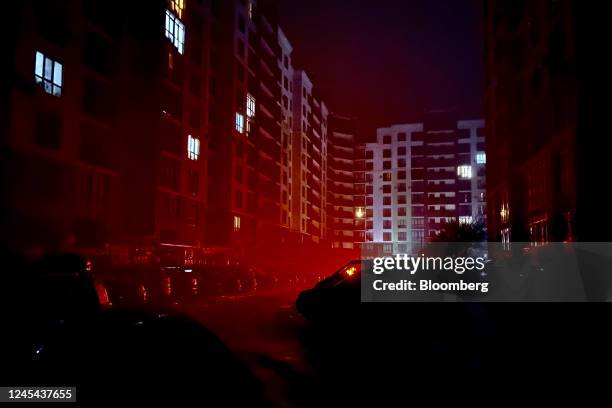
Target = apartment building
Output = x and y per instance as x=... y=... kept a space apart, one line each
x=107 y=136
x=245 y=128
x=309 y=163
x=419 y=176
x=342 y=214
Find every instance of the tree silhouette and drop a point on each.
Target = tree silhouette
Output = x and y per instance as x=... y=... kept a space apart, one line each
x=456 y=232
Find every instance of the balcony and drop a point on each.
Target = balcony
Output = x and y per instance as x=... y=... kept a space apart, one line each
x=314 y=153
x=441 y=213
x=463 y=148
x=269 y=169
x=464 y=185
x=313 y=229
x=314 y=197
x=419 y=162
x=313 y=182
x=342 y=165
x=441 y=200
x=441 y=175
x=418 y=199
x=344 y=202
x=435 y=137
x=344 y=141
x=339 y=189
x=342 y=153
x=417 y=174
x=441 y=188
x=441 y=162
x=436 y=225
x=269 y=190
x=342 y=214
x=342 y=177
x=314 y=213
x=417 y=186
x=269 y=146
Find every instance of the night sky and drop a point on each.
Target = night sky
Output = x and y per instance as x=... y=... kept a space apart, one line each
x=384 y=62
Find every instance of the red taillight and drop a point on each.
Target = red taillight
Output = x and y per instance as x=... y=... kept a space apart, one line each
x=102 y=293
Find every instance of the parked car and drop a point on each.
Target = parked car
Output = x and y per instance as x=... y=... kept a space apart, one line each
x=334 y=296
x=61 y=335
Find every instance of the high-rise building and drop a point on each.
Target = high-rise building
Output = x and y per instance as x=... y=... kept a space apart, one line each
x=245 y=133
x=107 y=137
x=541 y=122
x=166 y=131
x=419 y=177
x=286 y=71
x=342 y=213
x=308 y=161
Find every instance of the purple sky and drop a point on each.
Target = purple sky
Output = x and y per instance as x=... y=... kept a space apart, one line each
x=386 y=61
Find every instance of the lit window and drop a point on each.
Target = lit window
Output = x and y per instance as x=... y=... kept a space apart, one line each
x=177 y=6
x=48 y=74
x=175 y=31
x=193 y=148
x=465 y=219
x=239 y=122
x=250 y=106
x=236 y=223
x=464 y=171
x=481 y=158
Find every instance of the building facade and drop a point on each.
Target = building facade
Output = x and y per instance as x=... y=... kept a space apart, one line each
x=419 y=176
x=168 y=131
x=534 y=119
x=342 y=217
x=107 y=133
x=309 y=163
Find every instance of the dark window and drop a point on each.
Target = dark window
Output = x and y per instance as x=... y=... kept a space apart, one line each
x=387 y=200
x=387 y=189
x=387 y=139
x=48 y=129
x=401 y=175
x=401 y=211
x=387 y=165
x=96 y=100
x=386 y=212
x=170 y=137
x=401 y=151
x=97 y=54
x=401 y=163
x=401 y=137
x=194 y=182
x=387 y=153
x=369 y=154
x=401 y=199
x=170 y=173
x=238 y=199
x=95 y=145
